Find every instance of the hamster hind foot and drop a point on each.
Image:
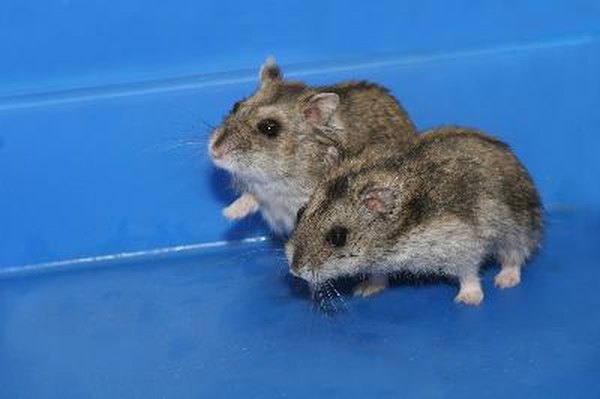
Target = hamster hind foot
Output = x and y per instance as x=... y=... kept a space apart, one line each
x=508 y=277
x=373 y=285
x=470 y=292
x=241 y=207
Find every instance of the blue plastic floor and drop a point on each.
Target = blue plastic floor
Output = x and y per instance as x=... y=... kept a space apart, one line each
x=230 y=323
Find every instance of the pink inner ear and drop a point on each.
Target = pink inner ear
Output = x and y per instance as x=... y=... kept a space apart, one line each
x=312 y=113
x=320 y=108
x=378 y=200
x=373 y=202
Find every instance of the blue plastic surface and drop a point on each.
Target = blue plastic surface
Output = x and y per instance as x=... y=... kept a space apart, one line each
x=120 y=278
x=229 y=323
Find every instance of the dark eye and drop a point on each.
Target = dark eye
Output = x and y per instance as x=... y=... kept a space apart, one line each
x=300 y=213
x=269 y=127
x=336 y=237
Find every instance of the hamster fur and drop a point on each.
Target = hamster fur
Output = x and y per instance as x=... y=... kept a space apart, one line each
x=455 y=199
x=280 y=142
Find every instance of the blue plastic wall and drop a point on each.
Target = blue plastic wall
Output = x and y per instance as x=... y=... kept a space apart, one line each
x=97 y=102
x=53 y=45
x=105 y=109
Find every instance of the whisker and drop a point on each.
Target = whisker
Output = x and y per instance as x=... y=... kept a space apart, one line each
x=176 y=144
x=338 y=298
x=336 y=292
x=327 y=300
x=207 y=124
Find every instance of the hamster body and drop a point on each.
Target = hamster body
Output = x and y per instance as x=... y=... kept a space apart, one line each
x=455 y=199
x=280 y=143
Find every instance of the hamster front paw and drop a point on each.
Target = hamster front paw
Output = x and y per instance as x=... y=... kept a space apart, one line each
x=242 y=207
x=373 y=285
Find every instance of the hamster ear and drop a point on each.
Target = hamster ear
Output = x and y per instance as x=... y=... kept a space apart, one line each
x=378 y=200
x=269 y=72
x=320 y=108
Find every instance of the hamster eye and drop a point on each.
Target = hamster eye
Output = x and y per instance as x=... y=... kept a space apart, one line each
x=336 y=237
x=300 y=213
x=269 y=127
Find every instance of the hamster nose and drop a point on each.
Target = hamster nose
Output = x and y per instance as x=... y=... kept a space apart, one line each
x=295 y=267
x=218 y=150
x=215 y=151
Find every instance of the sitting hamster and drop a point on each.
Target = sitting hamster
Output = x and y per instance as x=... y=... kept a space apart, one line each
x=453 y=200
x=280 y=142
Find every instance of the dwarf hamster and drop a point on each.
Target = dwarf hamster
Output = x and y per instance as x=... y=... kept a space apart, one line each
x=453 y=200
x=280 y=142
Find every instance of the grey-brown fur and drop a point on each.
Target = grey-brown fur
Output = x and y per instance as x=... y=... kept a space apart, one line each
x=454 y=199
x=319 y=126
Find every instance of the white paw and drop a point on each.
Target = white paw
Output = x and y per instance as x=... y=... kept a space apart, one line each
x=241 y=207
x=469 y=297
x=508 y=277
x=369 y=287
x=235 y=211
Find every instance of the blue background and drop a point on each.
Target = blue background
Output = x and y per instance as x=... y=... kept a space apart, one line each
x=104 y=179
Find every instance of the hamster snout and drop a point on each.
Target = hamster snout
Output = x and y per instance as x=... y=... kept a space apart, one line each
x=456 y=198
x=217 y=148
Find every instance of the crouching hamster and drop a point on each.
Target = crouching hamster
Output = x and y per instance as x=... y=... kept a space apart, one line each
x=280 y=143
x=454 y=200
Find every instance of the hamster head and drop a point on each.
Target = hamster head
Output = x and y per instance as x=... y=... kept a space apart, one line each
x=273 y=133
x=343 y=230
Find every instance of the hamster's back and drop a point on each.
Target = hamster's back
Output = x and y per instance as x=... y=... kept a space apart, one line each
x=372 y=116
x=468 y=174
